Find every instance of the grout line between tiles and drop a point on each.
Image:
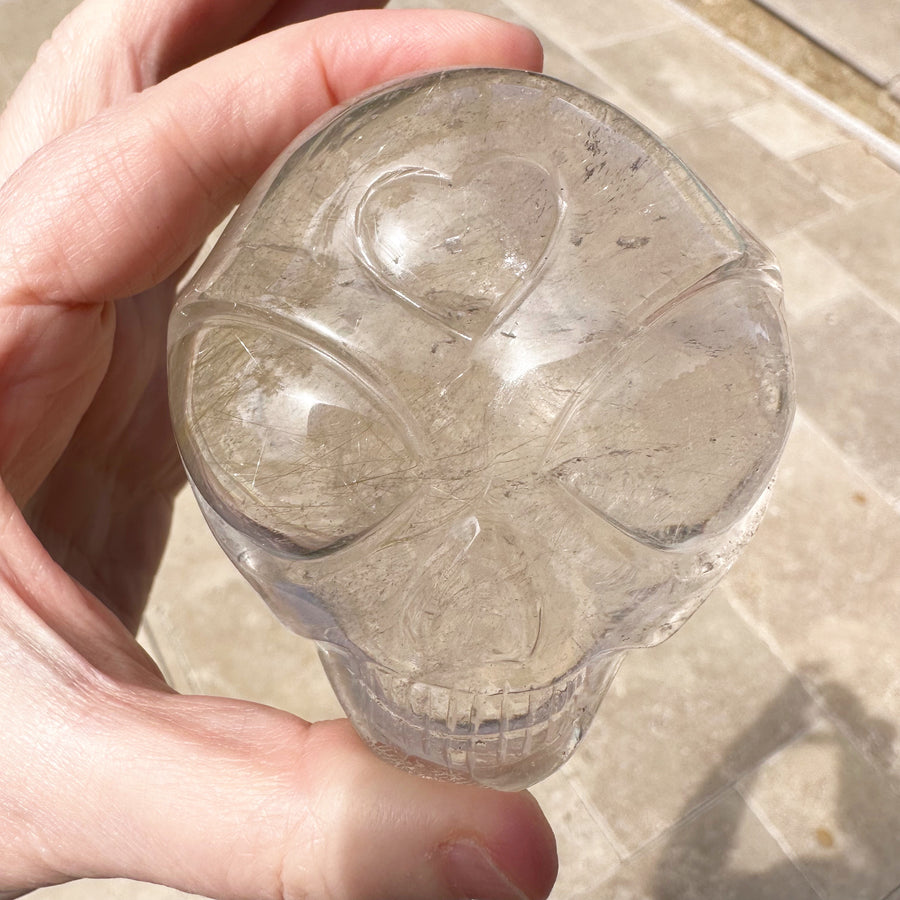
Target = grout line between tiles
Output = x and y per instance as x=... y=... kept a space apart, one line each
x=842 y=200
x=881 y=145
x=665 y=834
x=858 y=472
x=172 y=653
x=580 y=56
x=836 y=139
x=857 y=286
x=775 y=833
x=815 y=219
x=730 y=785
x=822 y=712
x=761 y=632
x=595 y=813
x=636 y=35
x=688 y=817
x=805 y=228
x=154 y=646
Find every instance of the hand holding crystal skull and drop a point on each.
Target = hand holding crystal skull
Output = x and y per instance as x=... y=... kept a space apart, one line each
x=479 y=389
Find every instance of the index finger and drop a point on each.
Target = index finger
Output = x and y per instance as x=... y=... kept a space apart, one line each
x=127 y=47
x=118 y=204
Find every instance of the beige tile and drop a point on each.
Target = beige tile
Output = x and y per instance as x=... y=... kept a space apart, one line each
x=787 y=129
x=558 y=61
x=847 y=360
x=681 y=77
x=8 y=82
x=865 y=241
x=148 y=641
x=683 y=720
x=811 y=277
x=766 y=193
x=216 y=636
x=496 y=8
x=723 y=853
x=24 y=26
x=837 y=814
x=586 y=856
x=822 y=579
x=850 y=172
x=559 y=64
x=588 y=23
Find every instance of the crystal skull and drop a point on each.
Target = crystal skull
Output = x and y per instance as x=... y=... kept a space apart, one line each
x=480 y=389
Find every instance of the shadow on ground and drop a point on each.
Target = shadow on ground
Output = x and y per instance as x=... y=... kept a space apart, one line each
x=700 y=860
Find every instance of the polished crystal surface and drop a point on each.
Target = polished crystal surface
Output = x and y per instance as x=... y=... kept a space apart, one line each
x=480 y=389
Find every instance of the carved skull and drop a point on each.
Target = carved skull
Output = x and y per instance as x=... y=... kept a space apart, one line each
x=480 y=388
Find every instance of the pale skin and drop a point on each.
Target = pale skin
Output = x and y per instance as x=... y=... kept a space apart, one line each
x=139 y=126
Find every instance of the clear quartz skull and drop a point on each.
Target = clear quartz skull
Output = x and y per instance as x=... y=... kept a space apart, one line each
x=479 y=389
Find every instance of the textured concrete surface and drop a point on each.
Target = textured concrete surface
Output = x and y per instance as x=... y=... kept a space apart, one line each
x=755 y=755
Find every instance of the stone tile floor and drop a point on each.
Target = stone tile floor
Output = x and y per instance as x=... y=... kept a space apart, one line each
x=755 y=755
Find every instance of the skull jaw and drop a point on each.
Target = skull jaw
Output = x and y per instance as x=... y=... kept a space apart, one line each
x=506 y=740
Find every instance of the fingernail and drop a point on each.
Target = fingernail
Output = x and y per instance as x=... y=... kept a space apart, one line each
x=472 y=874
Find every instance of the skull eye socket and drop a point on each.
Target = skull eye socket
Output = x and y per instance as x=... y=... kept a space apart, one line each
x=291 y=440
x=684 y=435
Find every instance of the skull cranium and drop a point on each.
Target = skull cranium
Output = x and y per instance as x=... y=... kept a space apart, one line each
x=480 y=388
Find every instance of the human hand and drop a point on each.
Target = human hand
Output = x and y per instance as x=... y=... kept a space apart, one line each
x=136 y=130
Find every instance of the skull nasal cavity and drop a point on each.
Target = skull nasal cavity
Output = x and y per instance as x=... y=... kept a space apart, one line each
x=476 y=599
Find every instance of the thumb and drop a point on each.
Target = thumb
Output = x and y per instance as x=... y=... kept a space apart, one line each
x=229 y=799
x=106 y=772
